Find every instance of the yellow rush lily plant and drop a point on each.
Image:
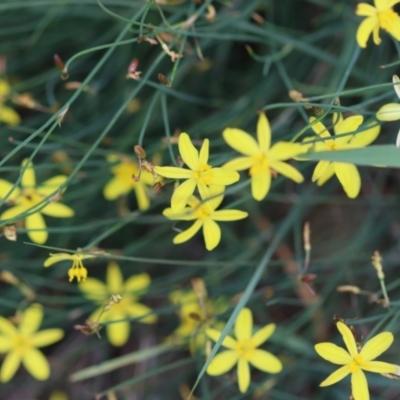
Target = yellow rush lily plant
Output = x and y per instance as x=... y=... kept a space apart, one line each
x=21 y=344
x=244 y=351
x=260 y=158
x=354 y=361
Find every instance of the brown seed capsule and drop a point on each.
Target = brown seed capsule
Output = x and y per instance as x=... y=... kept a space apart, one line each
x=139 y=151
x=163 y=79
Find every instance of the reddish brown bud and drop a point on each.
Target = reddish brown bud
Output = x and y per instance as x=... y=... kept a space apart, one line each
x=163 y=79
x=133 y=66
x=59 y=63
x=139 y=151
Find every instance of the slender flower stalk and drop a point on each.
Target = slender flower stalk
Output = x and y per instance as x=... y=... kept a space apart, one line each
x=244 y=351
x=347 y=173
x=354 y=361
x=21 y=344
x=200 y=174
x=29 y=196
x=380 y=16
x=77 y=270
x=205 y=215
x=260 y=158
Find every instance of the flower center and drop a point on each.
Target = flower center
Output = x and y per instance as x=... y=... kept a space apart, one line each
x=388 y=19
x=31 y=197
x=203 y=174
x=332 y=145
x=202 y=211
x=21 y=344
x=260 y=164
x=245 y=349
x=357 y=363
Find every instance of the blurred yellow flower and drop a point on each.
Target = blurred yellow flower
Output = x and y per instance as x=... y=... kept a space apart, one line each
x=7 y=114
x=354 y=361
x=347 y=173
x=128 y=307
x=261 y=158
x=205 y=214
x=381 y=16
x=244 y=350
x=77 y=270
x=21 y=344
x=195 y=315
x=200 y=174
x=27 y=198
x=122 y=182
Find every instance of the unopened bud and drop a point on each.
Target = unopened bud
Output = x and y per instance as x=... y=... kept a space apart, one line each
x=59 y=63
x=10 y=233
x=348 y=289
x=377 y=264
x=139 y=151
x=163 y=79
x=307 y=278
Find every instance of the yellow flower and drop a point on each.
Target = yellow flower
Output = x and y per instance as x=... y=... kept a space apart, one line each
x=205 y=214
x=123 y=182
x=128 y=307
x=391 y=111
x=21 y=344
x=77 y=270
x=244 y=350
x=26 y=199
x=347 y=173
x=380 y=16
x=195 y=317
x=7 y=114
x=199 y=174
x=261 y=158
x=354 y=361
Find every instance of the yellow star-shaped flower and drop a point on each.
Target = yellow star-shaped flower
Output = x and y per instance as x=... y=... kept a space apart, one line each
x=354 y=361
x=7 y=114
x=244 y=351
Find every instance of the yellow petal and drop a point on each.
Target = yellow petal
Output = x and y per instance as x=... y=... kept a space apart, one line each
x=173 y=172
x=204 y=152
x=243 y=372
x=52 y=185
x=115 y=280
x=263 y=334
x=359 y=386
x=348 y=338
x=375 y=35
x=137 y=284
x=241 y=141
x=336 y=376
x=6 y=344
x=349 y=177
x=393 y=28
x=13 y=212
x=320 y=169
x=380 y=367
x=36 y=364
x=260 y=185
x=389 y=112
x=182 y=193
x=58 y=395
x=58 y=210
x=94 y=289
x=229 y=215
x=329 y=172
x=365 y=29
x=118 y=333
x=47 y=337
x=376 y=346
x=36 y=226
x=31 y=319
x=263 y=133
x=28 y=178
x=266 y=362
x=222 y=363
x=366 y=137
x=10 y=366
x=9 y=116
x=223 y=177
x=144 y=313
x=188 y=233
x=212 y=234
x=319 y=128
x=333 y=353
x=188 y=152
x=287 y=170
x=142 y=196
x=348 y=125
x=244 y=325
x=214 y=195
x=396 y=87
x=115 y=188
x=228 y=342
x=285 y=150
x=186 y=214
x=365 y=10
x=239 y=164
x=55 y=258
x=7 y=327
x=4 y=88
x=6 y=187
